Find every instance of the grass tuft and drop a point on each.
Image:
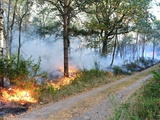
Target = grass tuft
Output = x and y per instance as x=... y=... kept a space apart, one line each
x=144 y=104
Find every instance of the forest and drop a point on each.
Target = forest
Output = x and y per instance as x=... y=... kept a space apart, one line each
x=58 y=40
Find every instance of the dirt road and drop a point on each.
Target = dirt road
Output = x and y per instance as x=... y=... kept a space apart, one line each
x=91 y=105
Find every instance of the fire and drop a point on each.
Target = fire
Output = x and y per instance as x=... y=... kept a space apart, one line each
x=65 y=80
x=18 y=95
x=25 y=96
x=72 y=70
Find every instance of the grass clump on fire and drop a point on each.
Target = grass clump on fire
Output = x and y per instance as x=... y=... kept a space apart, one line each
x=19 y=75
x=144 y=104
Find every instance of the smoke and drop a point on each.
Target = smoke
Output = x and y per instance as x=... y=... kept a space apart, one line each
x=50 y=50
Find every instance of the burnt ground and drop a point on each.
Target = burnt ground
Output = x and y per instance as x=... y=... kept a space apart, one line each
x=10 y=108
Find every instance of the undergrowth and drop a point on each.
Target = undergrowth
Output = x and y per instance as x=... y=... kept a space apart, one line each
x=85 y=80
x=18 y=72
x=134 y=66
x=144 y=104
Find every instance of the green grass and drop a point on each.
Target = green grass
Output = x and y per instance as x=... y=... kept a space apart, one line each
x=86 y=80
x=144 y=104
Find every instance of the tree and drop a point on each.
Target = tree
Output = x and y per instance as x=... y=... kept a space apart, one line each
x=66 y=9
x=155 y=35
x=144 y=28
x=22 y=13
x=109 y=16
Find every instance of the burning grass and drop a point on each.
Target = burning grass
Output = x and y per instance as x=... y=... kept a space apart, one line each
x=18 y=95
x=85 y=80
x=30 y=92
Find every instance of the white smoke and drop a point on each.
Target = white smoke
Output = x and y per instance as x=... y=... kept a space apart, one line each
x=50 y=50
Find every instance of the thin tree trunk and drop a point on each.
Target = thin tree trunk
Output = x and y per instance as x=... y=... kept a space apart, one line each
x=143 y=47
x=104 y=47
x=114 y=49
x=65 y=38
x=137 y=46
x=20 y=29
x=12 y=24
x=8 y=33
x=154 y=46
x=1 y=41
x=19 y=40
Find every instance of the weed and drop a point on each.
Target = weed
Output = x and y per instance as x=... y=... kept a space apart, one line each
x=119 y=71
x=144 y=105
x=21 y=71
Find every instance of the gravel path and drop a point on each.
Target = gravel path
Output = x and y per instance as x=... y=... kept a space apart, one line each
x=92 y=105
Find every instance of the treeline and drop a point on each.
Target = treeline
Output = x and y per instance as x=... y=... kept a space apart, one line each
x=114 y=27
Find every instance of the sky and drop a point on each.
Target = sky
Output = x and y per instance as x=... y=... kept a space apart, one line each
x=155 y=9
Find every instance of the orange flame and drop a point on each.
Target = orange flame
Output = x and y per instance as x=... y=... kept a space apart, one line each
x=25 y=96
x=72 y=70
x=65 y=80
x=18 y=95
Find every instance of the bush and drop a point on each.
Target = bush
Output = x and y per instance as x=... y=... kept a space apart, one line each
x=19 y=71
x=118 y=71
x=87 y=75
x=133 y=66
x=146 y=62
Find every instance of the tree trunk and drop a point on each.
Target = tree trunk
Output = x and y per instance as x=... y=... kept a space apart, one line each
x=19 y=40
x=12 y=24
x=137 y=46
x=65 y=37
x=8 y=46
x=114 y=49
x=104 y=47
x=154 y=46
x=1 y=41
x=20 y=29
x=143 y=47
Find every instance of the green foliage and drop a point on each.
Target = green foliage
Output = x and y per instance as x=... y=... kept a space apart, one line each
x=49 y=28
x=133 y=66
x=137 y=65
x=145 y=62
x=144 y=105
x=156 y=75
x=85 y=80
x=90 y=74
x=119 y=71
x=16 y=72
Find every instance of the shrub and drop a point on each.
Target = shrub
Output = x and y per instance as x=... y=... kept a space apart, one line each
x=118 y=71
x=133 y=66
x=146 y=62
x=19 y=71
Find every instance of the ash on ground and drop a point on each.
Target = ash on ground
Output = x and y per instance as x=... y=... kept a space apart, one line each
x=10 y=108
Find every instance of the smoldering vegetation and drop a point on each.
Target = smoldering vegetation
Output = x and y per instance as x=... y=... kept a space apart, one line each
x=50 y=49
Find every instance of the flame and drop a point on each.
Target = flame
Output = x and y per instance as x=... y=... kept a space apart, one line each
x=65 y=80
x=25 y=96
x=18 y=95
x=72 y=70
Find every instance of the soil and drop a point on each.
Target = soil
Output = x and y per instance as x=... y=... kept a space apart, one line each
x=91 y=105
